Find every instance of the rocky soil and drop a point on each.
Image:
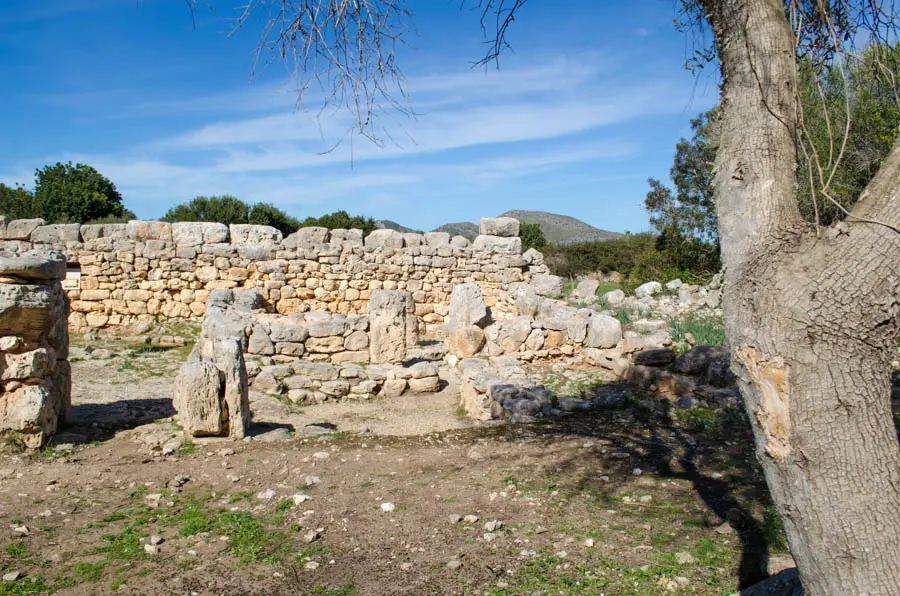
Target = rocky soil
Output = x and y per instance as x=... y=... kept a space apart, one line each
x=399 y=496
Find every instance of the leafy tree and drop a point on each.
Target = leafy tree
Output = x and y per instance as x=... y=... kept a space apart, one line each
x=532 y=236
x=228 y=210
x=342 y=220
x=692 y=208
x=16 y=202
x=265 y=214
x=225 y=209
x=64 y=193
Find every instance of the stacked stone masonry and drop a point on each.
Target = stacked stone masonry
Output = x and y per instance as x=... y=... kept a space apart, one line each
x=34 y=347
x=146 y=270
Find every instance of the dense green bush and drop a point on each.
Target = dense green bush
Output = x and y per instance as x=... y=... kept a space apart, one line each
x=532 y=236
x=265 y=214
x=342 y=220
x=228 y=210
x=16 y=202
x=639 y=258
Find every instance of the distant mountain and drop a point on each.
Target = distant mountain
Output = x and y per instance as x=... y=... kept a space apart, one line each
x=462 y=228
x=386 y=224
x=562 y=229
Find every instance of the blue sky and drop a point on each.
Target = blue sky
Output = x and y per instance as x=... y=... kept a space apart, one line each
x=588 y=105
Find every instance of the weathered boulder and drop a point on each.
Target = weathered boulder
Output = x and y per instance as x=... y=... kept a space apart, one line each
x=526 y=299
x=437 y=239
x=57 y=234
x=21 y=229
x=513 y=334
x=497 y=244
x=467 y=307
x=307 y=238
x=198 y=233
x=459 y=242
x=614 y=297
x=657 y=357
x=507 y=227
x=548 y=285
x=603 y=331
x=389 y=325
x=149 y=230
x=346 y=239
x=96 y=231
x=585 y=292
x=211 y=389
x=384 y=239
x=254 y=234
x=648 y=289
x=466 y=341
x=696 y=360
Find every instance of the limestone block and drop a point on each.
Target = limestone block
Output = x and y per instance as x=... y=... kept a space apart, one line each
x=497 y=244
x=437 y=239
x=384 y=239
x=648 y=289
x=96 y=231
x=604 y=331
x=33 y=266
x=254 y=234
x=21 y=229
x=388 y=323
x=56 y=234
x=459 y=242
x=548 y=285
x=142 y=231
x=306 y=238
x=198 y=233
x=585 y=292
x=507 y=227
x=346 y=239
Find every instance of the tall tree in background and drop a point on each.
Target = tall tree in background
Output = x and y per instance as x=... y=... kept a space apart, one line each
x=16 y=202
x=812 y=312
x=64 y=193
x=691 y=209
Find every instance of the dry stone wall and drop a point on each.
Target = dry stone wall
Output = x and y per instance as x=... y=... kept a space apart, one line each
x=145 y=270
x=34 y=347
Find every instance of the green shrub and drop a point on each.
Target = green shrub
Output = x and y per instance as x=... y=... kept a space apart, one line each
x=532 y=236
x=342 y=220
x=228 y=210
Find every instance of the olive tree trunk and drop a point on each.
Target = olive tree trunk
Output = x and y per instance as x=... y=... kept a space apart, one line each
x=812 y=319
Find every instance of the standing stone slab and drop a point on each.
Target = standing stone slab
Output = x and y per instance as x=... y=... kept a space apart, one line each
x=389 y=323
x=212 y=389
x=468 y=314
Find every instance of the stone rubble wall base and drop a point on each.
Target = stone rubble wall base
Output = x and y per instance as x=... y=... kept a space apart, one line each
x=146 y=270
x=35 y=375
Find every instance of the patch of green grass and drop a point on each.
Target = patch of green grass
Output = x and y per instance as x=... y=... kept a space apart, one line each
x=623 y=315
x=707 y=331
x=186 y=448
x=773 y=530
x=17 y=550
x=30 y=586
x=284 y=505
x=122 y=547
x=326 y=591
x=562 y=384
x=89 y=572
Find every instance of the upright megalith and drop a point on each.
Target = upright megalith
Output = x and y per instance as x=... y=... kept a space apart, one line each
x=211 y=389
x=393 y=326
x=34 y=346
x=468 y=316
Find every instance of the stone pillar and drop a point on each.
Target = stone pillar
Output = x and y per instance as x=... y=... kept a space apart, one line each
x=393 y=326
x=468 y=315
x=34 y=346
x=212 y=395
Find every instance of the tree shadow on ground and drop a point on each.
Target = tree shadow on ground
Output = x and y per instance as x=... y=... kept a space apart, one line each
x=647 y=433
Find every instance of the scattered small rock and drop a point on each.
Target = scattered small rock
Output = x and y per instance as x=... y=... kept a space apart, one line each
x=493 y=526
x=388 y=507
x=684 y=558
x=265 y=495
x=454 y=564
x=471 y=519
x=12 y=576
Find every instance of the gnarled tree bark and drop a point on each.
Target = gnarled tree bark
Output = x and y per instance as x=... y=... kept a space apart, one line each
x=811 y=318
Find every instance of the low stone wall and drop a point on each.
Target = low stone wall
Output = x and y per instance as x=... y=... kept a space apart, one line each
x=144 y=270
x=34 y=347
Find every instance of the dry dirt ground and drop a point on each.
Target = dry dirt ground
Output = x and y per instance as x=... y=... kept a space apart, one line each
x=406 y=497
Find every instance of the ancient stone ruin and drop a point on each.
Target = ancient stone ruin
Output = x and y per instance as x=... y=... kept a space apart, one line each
x=34 y=345
x=326 y=315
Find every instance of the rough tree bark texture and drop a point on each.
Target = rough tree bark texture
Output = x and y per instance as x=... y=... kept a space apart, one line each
x=811 y=320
